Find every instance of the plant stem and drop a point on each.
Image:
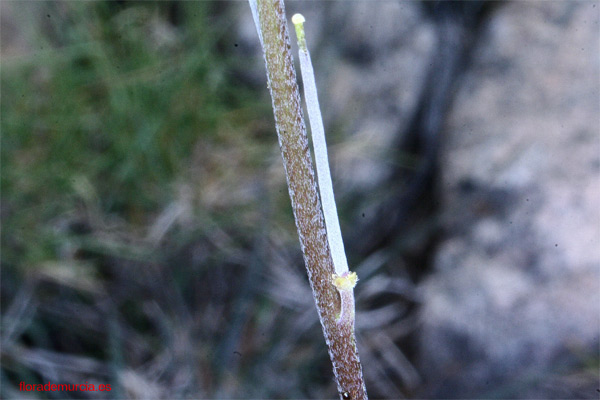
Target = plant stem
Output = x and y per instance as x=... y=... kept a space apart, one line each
x=334 y=233
x=337 y=321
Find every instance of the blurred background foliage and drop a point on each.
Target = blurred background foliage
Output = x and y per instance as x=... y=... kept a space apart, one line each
x=107 y=110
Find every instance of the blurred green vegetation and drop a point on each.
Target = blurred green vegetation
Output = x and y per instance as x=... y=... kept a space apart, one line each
x=105 y=110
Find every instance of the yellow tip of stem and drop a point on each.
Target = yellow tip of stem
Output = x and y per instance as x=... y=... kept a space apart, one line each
x=298 y=21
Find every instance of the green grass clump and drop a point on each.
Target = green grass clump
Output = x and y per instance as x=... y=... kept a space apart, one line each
x=105 y=108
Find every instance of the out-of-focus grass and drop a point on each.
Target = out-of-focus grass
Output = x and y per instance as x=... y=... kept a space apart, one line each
x=106 y=109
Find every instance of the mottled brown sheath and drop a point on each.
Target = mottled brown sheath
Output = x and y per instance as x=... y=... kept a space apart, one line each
x=293 y=142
